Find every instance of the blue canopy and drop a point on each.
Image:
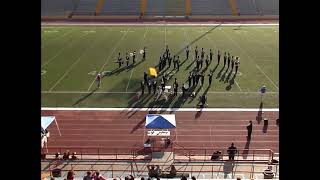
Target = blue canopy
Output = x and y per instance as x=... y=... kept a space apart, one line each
x=160 y=121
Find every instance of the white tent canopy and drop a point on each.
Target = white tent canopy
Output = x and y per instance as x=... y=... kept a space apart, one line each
x=47 y=120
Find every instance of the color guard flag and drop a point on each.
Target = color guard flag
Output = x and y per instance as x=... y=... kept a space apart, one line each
x=153 y=72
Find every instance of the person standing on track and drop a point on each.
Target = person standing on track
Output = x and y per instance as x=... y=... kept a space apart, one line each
x=187 y=52
x=211 y=54
x=167 y=50
x=249 y=129
x=219 y=56
x=98 y=79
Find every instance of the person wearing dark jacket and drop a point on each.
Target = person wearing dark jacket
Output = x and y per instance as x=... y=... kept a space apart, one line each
x=249 y=129
x=232 y=150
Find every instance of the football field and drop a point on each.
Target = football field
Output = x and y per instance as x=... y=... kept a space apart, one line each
x=71 y=57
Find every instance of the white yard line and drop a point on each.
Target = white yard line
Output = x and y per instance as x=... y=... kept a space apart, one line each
x=166 y=109
x=262 y=44
x=133 y=92
x=71 y=67
x=237 y=45
x=115 y=47
x=64 y=34
x=238 y=85
x=144 y=36
x=60 y=51
x=267 y=76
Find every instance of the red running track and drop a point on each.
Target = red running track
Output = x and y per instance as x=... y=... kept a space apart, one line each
x=124 y=129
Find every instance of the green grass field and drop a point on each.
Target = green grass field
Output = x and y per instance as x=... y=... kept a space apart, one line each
x=72 y=55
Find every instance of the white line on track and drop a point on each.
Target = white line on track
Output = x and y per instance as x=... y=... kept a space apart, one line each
x=249 y=57
x=115 y=47
x=144 y=36
x=162 y=109
x=132 y=92
x=60 y=51
x=71 y=67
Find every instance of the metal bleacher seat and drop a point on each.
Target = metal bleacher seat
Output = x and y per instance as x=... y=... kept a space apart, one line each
x=247 y=7
x=210 y=7
x=121 y=7
x=56 y=7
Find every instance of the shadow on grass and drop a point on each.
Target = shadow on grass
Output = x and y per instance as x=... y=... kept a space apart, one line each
x=85 y=97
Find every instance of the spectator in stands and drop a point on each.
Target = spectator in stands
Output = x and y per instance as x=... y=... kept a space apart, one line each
x=74 y=157
x=65 y=156
x=126 y=178
x=149 y=178
x=57 y=155
x=153 y=172
x=232 y=150
x=70 y=175
x=88 y=176
x=173 y=171
x=142 y=178
x=131 y=177
x=98 y=176
x=168 y=142
x=183 y=178
x=193 y=178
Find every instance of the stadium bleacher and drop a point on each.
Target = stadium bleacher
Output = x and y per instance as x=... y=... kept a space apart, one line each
x=210 y=7
x=247 y=7
x=56 y=7
x=86 y=7
x=268 y=7
x=165 y=8
x=121 y=7
x=158 y=7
